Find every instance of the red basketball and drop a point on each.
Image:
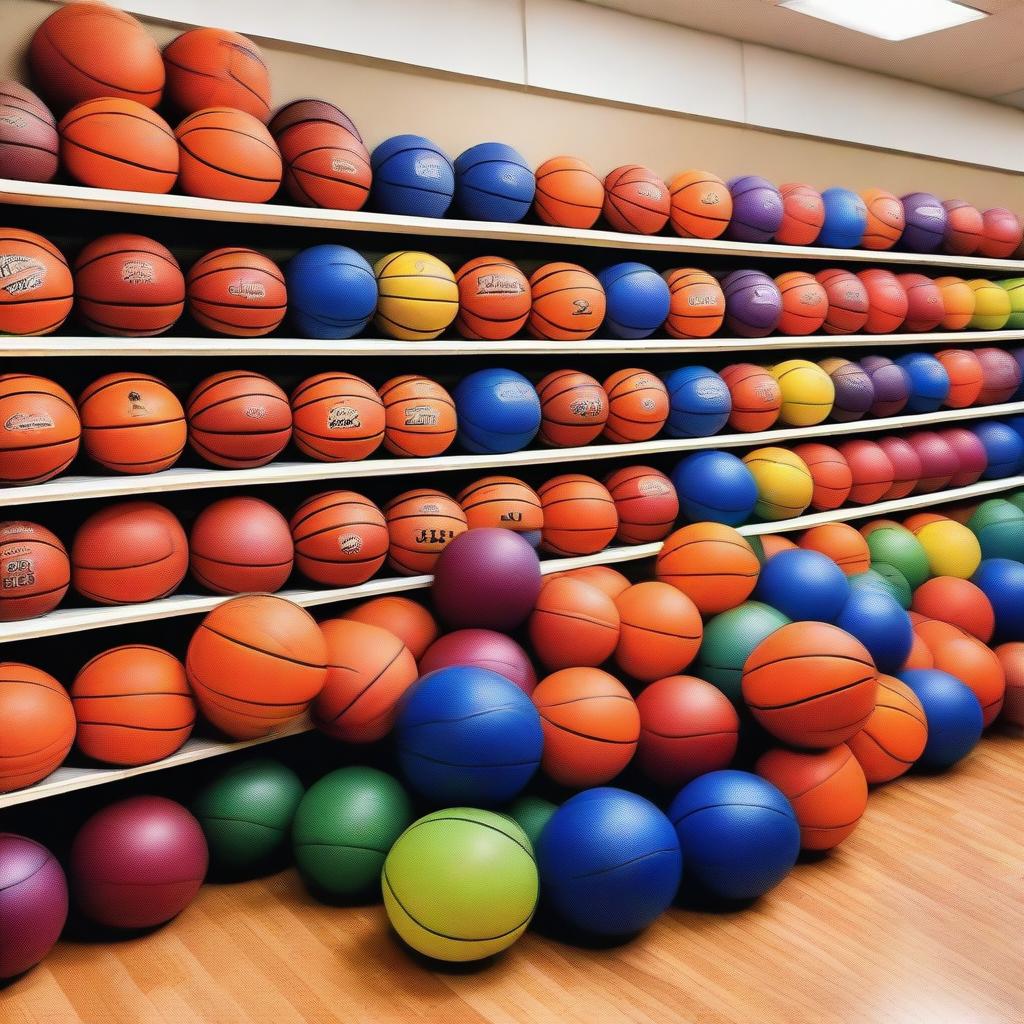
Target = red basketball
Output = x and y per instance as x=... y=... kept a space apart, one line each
x=636 y=200
x=925 y=306
x=965 y=376
x=848 y=301
x=756 y=397
x=1000 y=376
x=830 y=473
x=34 y=570
x=421 y=523
x=887 y=301
x=325 y=165
x=405 y=618
x=1001 y=233
x=646 y=502
x=939 y=463
x=958 y=602
x=36 y=287
x=906 y=466
x=238 y=292
x=494 y=299
x=569 y=194
x=338 y=417
x=580 y=517
x=482 y=648
x=972 y=457
x=29 y=143
x=964 y=228
x=660 y=630
x=573 y=624
x=872 y=471
x=39 y=429
x=638 y=406
x=1011 y=657
x=805 y=303
x=574 y=408
x=340 y=537
x=803 y=214
x=696 y=303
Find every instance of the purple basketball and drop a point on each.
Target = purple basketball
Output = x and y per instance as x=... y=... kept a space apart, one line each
x=33 y=903
x=488 y=579
x=1018 y=354
x=753 y=303
x=855 y=394
x=891 y=384
x=926 y=222
x=756 y=209
x=137 y=863
x=483 y=648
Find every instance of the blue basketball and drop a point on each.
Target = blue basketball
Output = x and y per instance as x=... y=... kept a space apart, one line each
x=846 y=219
x=929 y=381
x=954 y=716
x=498 y=411
x=716 y=487
x=493 y=182
x=637 y=300
x=699 y=402
x=609 y=861
x=738 y=833
x=1002 y=580
x=413 y=176
x=804 y=585
x=332 y=292
x=1004 y=448
x=878 y=621
x=1017 y=422
x=466 y=735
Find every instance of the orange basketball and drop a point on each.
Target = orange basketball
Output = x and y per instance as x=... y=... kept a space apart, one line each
x=211 y=67
x=756 y=397
x=339 y=417
x=419 y=416
x=567 y=303
x=504 y=502
x=227 y=154
x=340 y=537
x=1011 y=657
x=636 y=200
x=368 y=671
x=696 y=303
x=804 y=303
x=118 y=143
x=604 y=577
x=255 y=663
x=920 y=656
x=36 y=287
x=39 y=429
x=842 y=543
x=405 y=618
x=701 y=204
x=132 y=423
x=494 y=299
x=325 y=165
x=810 y=684
x=887 y=301
x=646 y=502
x=933 y=632
x=958 y=602
x=129 y=552
x=238 y=419
x=660 y=631
x=239 y=292
x=803 y=214
x=1001 y=233
x=34 y=570
x=886 y=219
x=591 y=726
x=573 y=624
x=977 y=666
x=128 y=285
x=711 y=563
x=827 y=789
x=773 y=543
x=830 y=473
x=964 y=228
x=133 y=705
x=37 y=725
x=638 y=405
x=240 y=545
x=965 y=376
x=579 y=515
x=848 y=303
x=893 y=738
x=420 y=525
x=574 y=408
x=569 y=194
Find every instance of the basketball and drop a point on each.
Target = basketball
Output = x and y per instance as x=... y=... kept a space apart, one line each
x=714 y=486
x=999 y=526
x=338 y=417
x=885 y=219
x=660 y=630
x=413 y=176
x=958 y=302
x=926 y=221
x=494 y=299
x=638 y=406
x=1001 y=234
x=131 y=423
x=37 y=725
x=238 y=292
x=332 y=292
x=240 y=545
x=964 y=370
x=29 y=143
x=1004 y=449
x=482 y=648
x=872 y=471
x=493 y=182
x=133 y=705
x=964 y=228
x=991 y=306
x=954 y=716
x=608 y=580
x=938 y=461
x=925 y=306
x=887 y=301
x=699 y=402
x=227 y=154
x=804 y=303
x=340 y=538
x=646 y=502
x=129 y=552
x=906 y=466
x=34 y=570
x=37 y=287
x=580 y=517
x=881 y=624
x=569 y=193
x=568 y=303
x=807 y=392
x=846 y=219
x=855 y=394
x=958 y=602
x=39 y=429
x=419 y=416
x=803 y=585
x=325 y=165
x=848 y=302
x=1000 y=376
x=756 y=209
x=417 y=296
x=504 y=502
x=831 y=476
x=894 y=545
x=1002 y=580
x=574 y=409
x=971 y=456
x=211 y=67
x=803 y=214
x=498 y=411
x=35 y=903
x=756 y=397
x=118 y=143
x=420 y=525
x=767 y=545
x=701 y=205
x=1010 y=656
x=573 y=624
x=636 y=200
x=976 y=665
x=753 y=303
x=407 y=619
x=238 y=419
x=696 y=303
x=842 y=543
x=308 y=111
x=637 y=300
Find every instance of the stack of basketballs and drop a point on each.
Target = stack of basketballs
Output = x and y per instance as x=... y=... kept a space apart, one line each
x=841 y=661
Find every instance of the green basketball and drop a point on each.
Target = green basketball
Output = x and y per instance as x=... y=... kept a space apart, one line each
x=531 y=814
x=461 y=884
x=886 y=579
x=1017 y=498
x=999 y=526
x=344 y=827
x=898 y=547
x=246 y=813
x=728 y=641
x=1015 y=287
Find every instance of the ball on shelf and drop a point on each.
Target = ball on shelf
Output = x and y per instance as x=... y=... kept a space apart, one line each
x=756 y=209
x=636 y=200
x=753 y=303
x=29 y=143
x=831 y=475
x=332 y=292
x=699 y=402
x=846 y=219
x=925 y=306
x=42 y=430
x=1001 y=233
x=701 y=205
x=1004 y=448
x=854 y=392
x=926 y=221
x=580 y=517
x=421 y=523
x=958 y=302
x=929 y=382
x=419 y=416
x=803 y=213
x=34 y=570
x=481 y=648
x=887 y=301
x=804 y=303
x=637 y=300
x=646 y=502
x=574 y=408
x=494 y=298
x=569 y=193
x=325 y=163
x=756 y=397
x=804 y=585
x=493 y=182
x=784 y=483
x=340 y=539
x=964 y=227
x=498 y=411
x=953 y=714
x=848 y=304
x=807 y=392
x=715 y=486
x=504 y=502
x=568 y=303
x=238 y=292
x=1000 y=376
x=891 y=383
x=417 y=296
x=696 y=303
x=638 y=406
x=400 y=616
x=412 y=176
x=992 y=306
x=885 y=219
x=872 y=471
x=963 y=368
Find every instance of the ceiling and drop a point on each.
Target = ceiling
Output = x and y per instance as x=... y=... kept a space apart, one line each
x=982 y=58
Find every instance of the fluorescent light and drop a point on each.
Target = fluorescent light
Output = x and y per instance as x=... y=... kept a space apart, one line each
x=888 y=19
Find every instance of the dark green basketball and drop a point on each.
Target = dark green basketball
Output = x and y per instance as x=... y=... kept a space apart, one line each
x=246 y=813
x=1017 y=498
x=886 y=579
x=898 y=547
x=345 y=826
x=999 y=526
x=531 y=814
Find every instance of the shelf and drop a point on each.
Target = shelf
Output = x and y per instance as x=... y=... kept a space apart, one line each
x=24 y=193
x=77 y=488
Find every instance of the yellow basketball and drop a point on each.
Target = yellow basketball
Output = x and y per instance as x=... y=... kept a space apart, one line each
x=951 y=548
x=991 y=306
x=784 y=483
x=807 y=392
x=418 y=297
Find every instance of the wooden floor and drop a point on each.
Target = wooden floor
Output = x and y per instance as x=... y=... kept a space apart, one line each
x=919 y=917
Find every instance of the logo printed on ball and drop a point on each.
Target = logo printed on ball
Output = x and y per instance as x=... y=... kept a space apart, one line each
x=247 y=290
x=700 y=300
x=136 y=406
x=14 y=120
x=342 y=417
x=511 y=390
x=137 y=272
x=586 y=407
x=653 y=487
x=432 y=536
x=510 y=517
x=648 y=190
x=340 y=166
x=421 y=416
x=498 y=284
x=350 y=544
x=710 y=199
x=28 y=421
x=28 y=273
x=428 y=167
x=581 y=307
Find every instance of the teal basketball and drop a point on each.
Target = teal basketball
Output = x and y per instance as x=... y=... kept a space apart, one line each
x=531 y=814
x=999 y=526
x=897 y=546
x=886 y=579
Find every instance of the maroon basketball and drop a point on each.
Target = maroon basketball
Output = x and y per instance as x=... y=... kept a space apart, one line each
x=970 y=453
x=483 y=648
x=1000 y=376
x=906 y=466
x=939 y=463
x=28 y=135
